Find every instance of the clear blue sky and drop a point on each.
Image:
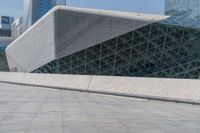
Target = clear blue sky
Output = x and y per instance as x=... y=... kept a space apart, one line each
x=15 y=7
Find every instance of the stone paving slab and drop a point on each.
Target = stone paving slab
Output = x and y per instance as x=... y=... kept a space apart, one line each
x=26 y=109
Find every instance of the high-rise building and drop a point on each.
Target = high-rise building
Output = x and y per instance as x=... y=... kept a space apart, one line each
x=186 y=8
x=35 y=9
x=5 y=39
x=17 y=27
x=5 y=26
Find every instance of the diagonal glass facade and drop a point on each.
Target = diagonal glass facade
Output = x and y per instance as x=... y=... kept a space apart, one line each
x=161 y=49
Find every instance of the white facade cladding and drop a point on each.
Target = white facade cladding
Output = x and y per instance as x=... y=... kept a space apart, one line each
x=66 y=30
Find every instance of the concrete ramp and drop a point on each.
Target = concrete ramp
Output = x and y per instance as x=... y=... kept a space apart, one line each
x=176 y=90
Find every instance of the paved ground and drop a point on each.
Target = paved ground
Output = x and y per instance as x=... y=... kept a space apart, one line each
x=41 y=110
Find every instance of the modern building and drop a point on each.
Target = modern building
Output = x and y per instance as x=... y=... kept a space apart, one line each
x=69 y=40
x=35 y=9
x=5 y=26
x=186 y=8
x=17 y=27
x=4 y=42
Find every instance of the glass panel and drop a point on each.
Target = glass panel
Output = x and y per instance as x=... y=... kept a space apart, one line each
x=164 y=49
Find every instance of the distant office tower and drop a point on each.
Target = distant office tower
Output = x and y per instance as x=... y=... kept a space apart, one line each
x=187 y=8
x=35 y=9
x=5 y=39
x=17 y=27
x=5 y=26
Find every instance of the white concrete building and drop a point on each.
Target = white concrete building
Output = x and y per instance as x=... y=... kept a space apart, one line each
x=70 y=40
x=66 y=30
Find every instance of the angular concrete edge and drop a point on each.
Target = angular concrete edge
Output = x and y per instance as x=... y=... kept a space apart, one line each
x=66 y=30
x=175 y=90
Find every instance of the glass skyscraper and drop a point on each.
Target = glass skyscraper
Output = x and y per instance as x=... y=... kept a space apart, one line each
x=35 y=9
x=186 y=8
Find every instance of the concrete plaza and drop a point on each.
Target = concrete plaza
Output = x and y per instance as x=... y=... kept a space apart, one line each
x=26 y=109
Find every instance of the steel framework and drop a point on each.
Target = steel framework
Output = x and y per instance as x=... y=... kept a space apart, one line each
x=156 y=50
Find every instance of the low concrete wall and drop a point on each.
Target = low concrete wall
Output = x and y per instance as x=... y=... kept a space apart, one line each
x=154 y=87
x=11 y=77
x=180 y=90
x=57 y=80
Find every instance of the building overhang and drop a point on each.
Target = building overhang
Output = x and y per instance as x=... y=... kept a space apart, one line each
x=65 y=30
